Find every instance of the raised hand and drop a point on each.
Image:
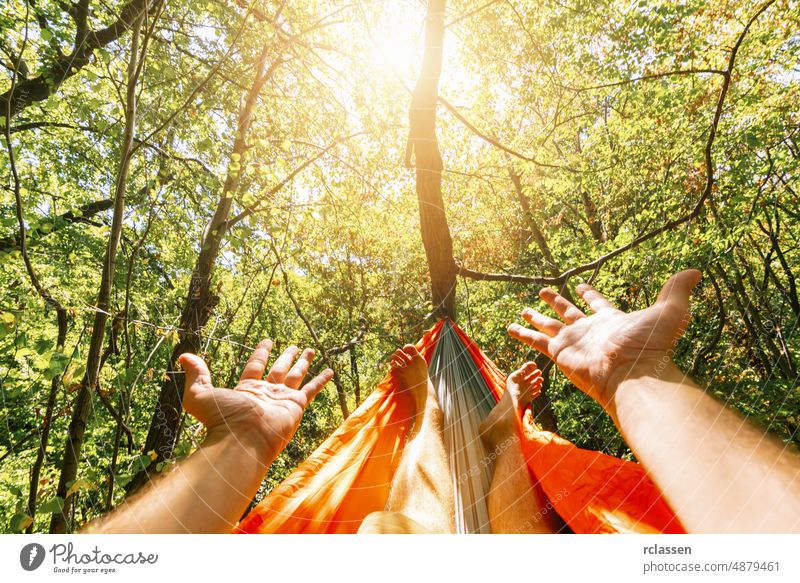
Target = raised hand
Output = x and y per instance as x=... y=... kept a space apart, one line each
x=597 y=352
x=265 y=411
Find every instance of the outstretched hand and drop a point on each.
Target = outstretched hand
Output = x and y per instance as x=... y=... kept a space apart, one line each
x=597 y=352
x=266 y=412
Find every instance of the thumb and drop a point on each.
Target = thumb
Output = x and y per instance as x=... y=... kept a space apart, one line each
x=678 y=288
x=198 y=377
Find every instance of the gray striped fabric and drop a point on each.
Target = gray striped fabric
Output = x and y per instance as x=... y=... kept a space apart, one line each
x=465 y=400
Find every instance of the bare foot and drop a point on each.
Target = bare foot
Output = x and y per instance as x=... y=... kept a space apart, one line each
x=522 y=386
x=412 y=371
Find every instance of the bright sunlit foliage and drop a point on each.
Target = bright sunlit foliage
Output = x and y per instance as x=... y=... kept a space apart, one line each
x=270 y=137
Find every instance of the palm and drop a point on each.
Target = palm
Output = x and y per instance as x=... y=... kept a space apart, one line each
x=271 y=408
x=592 y=350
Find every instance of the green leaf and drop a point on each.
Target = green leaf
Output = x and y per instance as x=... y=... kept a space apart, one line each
x=54 y=504
x=21 y=340
x=42 y=345
x=46 y=34
x=20 y=522
x=23 y=352
x=57 y=364
x=142 y=461
x=248 y=199
x=124 y=479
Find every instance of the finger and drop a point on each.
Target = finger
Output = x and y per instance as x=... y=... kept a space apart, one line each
x=315 y=385
x=546 y=324
x=678 y=288
x=257 y=363
x=298 y=372
x=198 y=386
x=198 y=377
x=535 y=340
x=533 y=375
x=278 y=372
x=593 y=298
x=562 y=306
x=536 y=388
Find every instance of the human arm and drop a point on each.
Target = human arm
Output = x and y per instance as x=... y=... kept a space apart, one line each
x=246 y=428
x=718 y=472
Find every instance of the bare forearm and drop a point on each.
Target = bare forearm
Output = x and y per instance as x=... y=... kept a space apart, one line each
x=715 y=469
x=206 y=493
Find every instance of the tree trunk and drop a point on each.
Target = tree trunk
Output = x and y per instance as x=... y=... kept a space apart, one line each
x=83 y=403
x=595 y=224
x=354 y=373
x=533 y=227
x=49 y=299
x=200 y=300
x=424 y=148
x=543 y=408
x=44 y=439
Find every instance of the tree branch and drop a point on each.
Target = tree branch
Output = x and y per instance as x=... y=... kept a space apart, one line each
x=645 y=78
x=352 y=343
x=256 y=206
x=693 y=214
x=317 y=342
x=79 y=215
x=488 y=139
x=508 y=277
x=39 y=88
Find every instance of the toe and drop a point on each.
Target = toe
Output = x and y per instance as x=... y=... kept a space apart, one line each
x=411 y=351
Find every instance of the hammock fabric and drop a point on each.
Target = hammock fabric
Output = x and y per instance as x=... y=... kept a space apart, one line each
x=349 y=475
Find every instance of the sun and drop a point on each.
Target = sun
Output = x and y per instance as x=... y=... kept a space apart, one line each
x=396 y=39
x=397 y=45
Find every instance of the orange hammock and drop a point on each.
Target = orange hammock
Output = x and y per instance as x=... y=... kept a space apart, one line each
x=349 y=475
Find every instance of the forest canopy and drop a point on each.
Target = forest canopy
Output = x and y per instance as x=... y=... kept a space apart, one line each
x=195 y=176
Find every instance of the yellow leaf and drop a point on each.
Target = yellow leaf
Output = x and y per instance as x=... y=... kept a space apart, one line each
x=80 y=484
x=24 y=523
